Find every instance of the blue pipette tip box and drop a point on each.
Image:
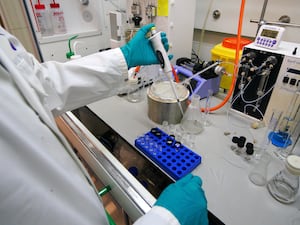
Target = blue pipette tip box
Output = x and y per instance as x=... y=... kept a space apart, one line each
x=170 y=155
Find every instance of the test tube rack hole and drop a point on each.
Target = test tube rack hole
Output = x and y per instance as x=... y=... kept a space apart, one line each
x=170 y=155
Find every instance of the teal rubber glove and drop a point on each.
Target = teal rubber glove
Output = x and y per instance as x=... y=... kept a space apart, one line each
x=186 y=200
x=139 y=51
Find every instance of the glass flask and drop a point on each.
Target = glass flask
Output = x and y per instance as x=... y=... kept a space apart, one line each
x=284 y=185
x=191 y=122
x=258 y=175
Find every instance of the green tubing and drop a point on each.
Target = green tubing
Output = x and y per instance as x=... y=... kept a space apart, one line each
x=70 y=52
x=110 y=219
x=102 y=192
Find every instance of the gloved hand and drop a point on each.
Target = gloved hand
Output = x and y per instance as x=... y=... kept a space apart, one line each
x=139 y=51
x=186 y=200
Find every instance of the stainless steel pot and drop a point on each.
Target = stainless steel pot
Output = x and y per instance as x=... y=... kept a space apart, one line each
x=162 y=103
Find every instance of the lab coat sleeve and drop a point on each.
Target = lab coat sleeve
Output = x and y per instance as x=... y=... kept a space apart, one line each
x=82 y=81
x=158 y=216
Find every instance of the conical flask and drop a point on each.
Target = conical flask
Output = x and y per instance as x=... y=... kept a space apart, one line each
x=192 y=119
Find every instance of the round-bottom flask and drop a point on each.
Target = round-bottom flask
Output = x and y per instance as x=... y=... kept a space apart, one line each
x=284 y=185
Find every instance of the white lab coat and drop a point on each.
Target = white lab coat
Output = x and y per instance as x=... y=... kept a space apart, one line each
x=42 y=180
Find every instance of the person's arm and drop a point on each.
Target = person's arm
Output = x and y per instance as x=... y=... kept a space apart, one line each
x=158 y=216
x=66 y=86
x=181 y=203
x=85 y=80
x=97 y=76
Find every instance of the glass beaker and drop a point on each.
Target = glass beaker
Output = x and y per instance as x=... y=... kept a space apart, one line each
x=285 y=137
x=134 y=92
x=191 y=122
x=271 y=126
x=284 y=185
x=291 y=139
x=258 y=175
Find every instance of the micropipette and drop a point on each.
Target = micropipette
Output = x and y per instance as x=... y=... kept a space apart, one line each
x=164 y=61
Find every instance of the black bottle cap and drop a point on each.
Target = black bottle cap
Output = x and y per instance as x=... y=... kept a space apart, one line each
x=177 y=144
x=249 y=145
x=169 y=142
x=171 y=137
x=242 y=139
x=241 y=142
x=249 y=151
x=235 y=139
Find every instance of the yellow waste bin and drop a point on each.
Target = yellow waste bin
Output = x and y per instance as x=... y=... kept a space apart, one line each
x=225 y=52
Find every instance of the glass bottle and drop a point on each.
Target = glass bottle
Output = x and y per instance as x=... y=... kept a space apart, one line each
x=191 y=122
x=58 y=20
x=43 y=19
x=284 y=185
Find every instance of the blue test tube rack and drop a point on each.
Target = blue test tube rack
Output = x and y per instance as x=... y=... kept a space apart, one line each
x=170 y=155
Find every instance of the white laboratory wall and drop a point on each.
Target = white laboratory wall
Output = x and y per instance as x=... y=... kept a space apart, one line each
x=91 y=24
x=229 y=15
x=178 y=24
x=226 y=25
x=86 y=21
x=180 y=27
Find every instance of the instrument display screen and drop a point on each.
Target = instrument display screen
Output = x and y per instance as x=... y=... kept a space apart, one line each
x=269 y=33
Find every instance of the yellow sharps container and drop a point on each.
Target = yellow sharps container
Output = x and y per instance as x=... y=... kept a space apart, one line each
x=225 y=52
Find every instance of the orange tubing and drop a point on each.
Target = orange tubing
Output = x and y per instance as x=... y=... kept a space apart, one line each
x=175 y=75
x=225 y=100
x=136 y=70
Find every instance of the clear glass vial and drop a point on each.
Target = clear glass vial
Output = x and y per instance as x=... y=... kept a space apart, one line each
x=284 y=185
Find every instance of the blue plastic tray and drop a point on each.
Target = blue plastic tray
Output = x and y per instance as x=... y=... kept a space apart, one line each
x=174 y=158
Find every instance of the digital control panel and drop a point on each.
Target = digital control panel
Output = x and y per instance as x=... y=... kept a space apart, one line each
x=291 y=79
x=269 y=36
